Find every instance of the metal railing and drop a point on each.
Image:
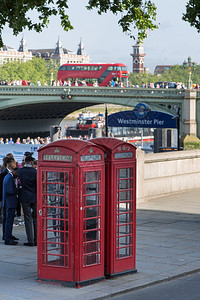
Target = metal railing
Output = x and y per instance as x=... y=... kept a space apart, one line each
x=93 y=91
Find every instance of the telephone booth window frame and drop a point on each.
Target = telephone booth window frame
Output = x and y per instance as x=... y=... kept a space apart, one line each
x=56 y=219
x=124 y=212
x=92 y=237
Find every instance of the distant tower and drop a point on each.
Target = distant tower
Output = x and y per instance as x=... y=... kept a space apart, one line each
x=138 y=58
x=22 y=46
x=81 y=50
x=59 y=49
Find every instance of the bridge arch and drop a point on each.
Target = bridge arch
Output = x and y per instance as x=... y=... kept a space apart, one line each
x=33 y=109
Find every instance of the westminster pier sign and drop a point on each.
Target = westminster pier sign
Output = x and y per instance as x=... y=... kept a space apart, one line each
x=142 y=119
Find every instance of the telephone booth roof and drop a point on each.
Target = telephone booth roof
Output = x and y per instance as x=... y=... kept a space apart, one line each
x=72 y=150
x=110 y=143
x=74 y=145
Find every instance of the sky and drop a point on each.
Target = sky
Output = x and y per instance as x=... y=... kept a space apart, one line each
x=104 y=41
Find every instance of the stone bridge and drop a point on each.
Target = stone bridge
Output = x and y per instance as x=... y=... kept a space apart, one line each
x=34 y=109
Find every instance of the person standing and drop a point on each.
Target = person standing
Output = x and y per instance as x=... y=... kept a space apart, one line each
x=10 y=202
x=28 y=197
x=4 y=172
x=9 y=164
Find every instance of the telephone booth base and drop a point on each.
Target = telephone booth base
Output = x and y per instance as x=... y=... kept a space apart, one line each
x=110 y=276
x=71 y=284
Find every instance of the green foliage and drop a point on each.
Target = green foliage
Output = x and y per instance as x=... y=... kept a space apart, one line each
x=175 y=74
x=138 y=79
x=137 y=15
x=33 y=70
x=15 y=14
x=141 y=14
x=192 y=14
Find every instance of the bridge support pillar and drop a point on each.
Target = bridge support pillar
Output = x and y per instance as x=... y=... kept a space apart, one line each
x=189 y=113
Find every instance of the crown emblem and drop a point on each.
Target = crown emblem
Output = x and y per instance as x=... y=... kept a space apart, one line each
x=90 y=150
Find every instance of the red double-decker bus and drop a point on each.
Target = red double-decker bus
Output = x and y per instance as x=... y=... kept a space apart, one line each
x=93 y=74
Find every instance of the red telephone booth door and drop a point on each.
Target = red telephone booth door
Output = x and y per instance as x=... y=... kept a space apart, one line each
x=92 y=227
x=55 y=224
x=125 y=218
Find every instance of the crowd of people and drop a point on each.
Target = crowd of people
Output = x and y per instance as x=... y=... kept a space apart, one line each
x=165 y=85
x=37 y=141
x=111 y=83
x=28 y=140
x=18 y=192
x=53 y=83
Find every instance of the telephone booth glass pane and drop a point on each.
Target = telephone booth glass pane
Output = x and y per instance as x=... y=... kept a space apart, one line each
x=124 y=232
x=91 y=218
x=55 y=218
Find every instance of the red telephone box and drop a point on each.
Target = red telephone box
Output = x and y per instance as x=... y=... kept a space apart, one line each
x=71 y=212
x=120 y=206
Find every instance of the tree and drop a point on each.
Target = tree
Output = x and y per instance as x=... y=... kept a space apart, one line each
x=139 y=15
x=136 y=14
x=175 y=74
x=33 y=70
x=192 y=14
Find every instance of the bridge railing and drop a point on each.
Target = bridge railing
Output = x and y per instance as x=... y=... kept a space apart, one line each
x=92 y=91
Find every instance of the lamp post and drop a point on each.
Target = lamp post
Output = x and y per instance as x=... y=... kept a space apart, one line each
x=51 y=78
x=52 y=66
x=178 y=128
x=106 y=120
x=178 y=117
x=189 y=80
x=190 y=67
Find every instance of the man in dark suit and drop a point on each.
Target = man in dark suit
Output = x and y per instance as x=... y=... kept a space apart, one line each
x=28 y=197
x=2 y=176
x=10 y=201
x=9 y=164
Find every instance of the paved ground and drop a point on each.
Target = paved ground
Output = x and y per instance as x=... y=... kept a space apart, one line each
x=168 y=245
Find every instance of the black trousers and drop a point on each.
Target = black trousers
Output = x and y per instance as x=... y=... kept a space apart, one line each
x=30 y=219
x=10 y=215
x=1 y=212
x=4 y=221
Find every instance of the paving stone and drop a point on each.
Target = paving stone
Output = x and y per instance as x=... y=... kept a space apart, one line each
x=167 y=245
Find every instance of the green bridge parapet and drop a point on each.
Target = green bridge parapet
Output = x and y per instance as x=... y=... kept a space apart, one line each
x=93 y=91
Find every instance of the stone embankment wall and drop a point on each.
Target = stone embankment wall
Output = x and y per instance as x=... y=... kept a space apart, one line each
x=161 y=174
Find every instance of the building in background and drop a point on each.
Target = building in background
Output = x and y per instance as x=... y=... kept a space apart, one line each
x=8 y=54
x=159 y=69
x=62 y=55
x=59 y=54
x=138 y=58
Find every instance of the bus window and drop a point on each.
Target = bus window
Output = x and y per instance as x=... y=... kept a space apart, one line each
x=110 y=68
x=117 y=68
x=62 y=68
